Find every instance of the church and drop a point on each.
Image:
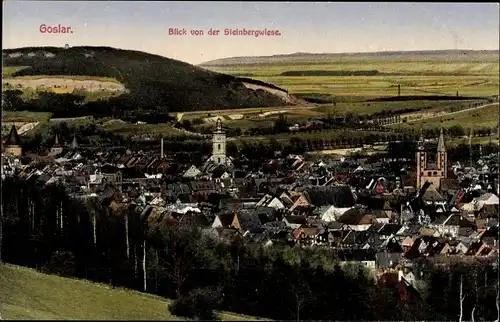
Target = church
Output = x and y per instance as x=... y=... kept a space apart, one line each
x=432 y=172
x=219 y=155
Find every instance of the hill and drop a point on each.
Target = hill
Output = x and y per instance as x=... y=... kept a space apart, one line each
x=28 y=294
x=149 y=81
x=327 y=58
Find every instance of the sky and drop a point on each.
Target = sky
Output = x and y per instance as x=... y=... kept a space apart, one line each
x=304 y=27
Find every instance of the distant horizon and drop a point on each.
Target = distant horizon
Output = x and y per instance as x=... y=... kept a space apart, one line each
x=252 y=29
x=273 y=55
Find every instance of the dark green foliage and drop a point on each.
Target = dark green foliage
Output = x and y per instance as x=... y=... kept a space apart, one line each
x=199 y=303
x=61 y=263
x=155 y=82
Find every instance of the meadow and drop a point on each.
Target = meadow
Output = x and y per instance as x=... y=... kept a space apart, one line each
x=26 y=294
x=482 y=117
x=439 y=76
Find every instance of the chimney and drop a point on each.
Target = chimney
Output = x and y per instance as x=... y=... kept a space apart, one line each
x=161 y=148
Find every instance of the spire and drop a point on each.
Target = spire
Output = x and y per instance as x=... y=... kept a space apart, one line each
x=441 y=147
x=218 y=126
x=13 y=138
x=421 y=140
x=74 y=144
x=56 y=141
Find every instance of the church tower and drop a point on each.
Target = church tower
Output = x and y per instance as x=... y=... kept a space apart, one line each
x=431 y=172
x=421 y=159
x=12 y=145
x=74 y=143
x=56 y=148
x=219 y=144
x=442 y=156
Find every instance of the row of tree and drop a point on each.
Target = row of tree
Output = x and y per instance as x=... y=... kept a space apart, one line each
x=99 y=240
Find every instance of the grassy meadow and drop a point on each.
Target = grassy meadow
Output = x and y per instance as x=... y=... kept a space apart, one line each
x=433 y=76
x=482 y=117
x=26 y=294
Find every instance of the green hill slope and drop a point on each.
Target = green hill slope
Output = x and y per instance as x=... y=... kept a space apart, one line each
x=151 y=80
x=28 y=294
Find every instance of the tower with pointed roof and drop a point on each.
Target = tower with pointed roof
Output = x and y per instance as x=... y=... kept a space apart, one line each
x=219 y=144
x=74 y=143
x=12 y=144
x=431 y=172
x=57 y=147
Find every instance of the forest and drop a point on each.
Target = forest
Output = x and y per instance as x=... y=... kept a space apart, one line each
x=152 y=80
x=44 y=227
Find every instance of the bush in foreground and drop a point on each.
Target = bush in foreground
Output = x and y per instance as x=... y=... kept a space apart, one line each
x=199 y=304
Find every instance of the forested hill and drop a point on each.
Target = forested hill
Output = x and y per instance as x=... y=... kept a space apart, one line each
x=152 y=80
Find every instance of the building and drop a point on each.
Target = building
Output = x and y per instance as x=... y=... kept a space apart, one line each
x=219 y=146
x=56 y=148
x=432 y=172
x=74 y=143
x=12 y=145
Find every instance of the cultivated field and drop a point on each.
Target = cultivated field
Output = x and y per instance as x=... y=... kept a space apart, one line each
x=26 y=294
x=482 y=117
x=438 y=76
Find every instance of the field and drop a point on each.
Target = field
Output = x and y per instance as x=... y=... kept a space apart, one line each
x=433 y=76
x=26 y=294
x=482 y=117
x=25 y=116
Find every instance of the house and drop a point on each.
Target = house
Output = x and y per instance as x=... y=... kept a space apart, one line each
x=356 y=257
x=462 y=247
x=295 y=222
x=192 y=172
x=381 y=216
x=245 y=221
x=450 y=225
x=223 y=220
x=432 y=196
x=384 y=260
x=300 y=201
x=331 y=213
x=306 y=236
x=357 y=218
x=271 y=202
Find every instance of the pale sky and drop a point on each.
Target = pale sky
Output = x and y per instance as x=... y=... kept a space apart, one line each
x=304 y=27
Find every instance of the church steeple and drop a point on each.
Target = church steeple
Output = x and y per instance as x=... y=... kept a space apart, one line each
x=432 y=173
x=56 y=141
x=13 y=138
x=441 y=147
x=219 y=144
x=74 y=144
x=421 y=141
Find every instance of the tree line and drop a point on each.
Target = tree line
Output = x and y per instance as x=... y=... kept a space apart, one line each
x=102 y=241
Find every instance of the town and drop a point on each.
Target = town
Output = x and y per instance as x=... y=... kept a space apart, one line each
x=368 y=213
x=298 y=161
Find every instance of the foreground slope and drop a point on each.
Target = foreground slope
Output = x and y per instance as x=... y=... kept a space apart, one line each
x=28 y=294
x=151 y=80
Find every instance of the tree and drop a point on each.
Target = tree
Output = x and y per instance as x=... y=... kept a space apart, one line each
x=198 y=303
x=300 y=289
x=180 y=254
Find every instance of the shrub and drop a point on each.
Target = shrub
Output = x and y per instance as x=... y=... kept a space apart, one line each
x=61 y=263
x=199 y=303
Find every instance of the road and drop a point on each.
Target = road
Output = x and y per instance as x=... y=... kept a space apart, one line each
x=445 y=114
